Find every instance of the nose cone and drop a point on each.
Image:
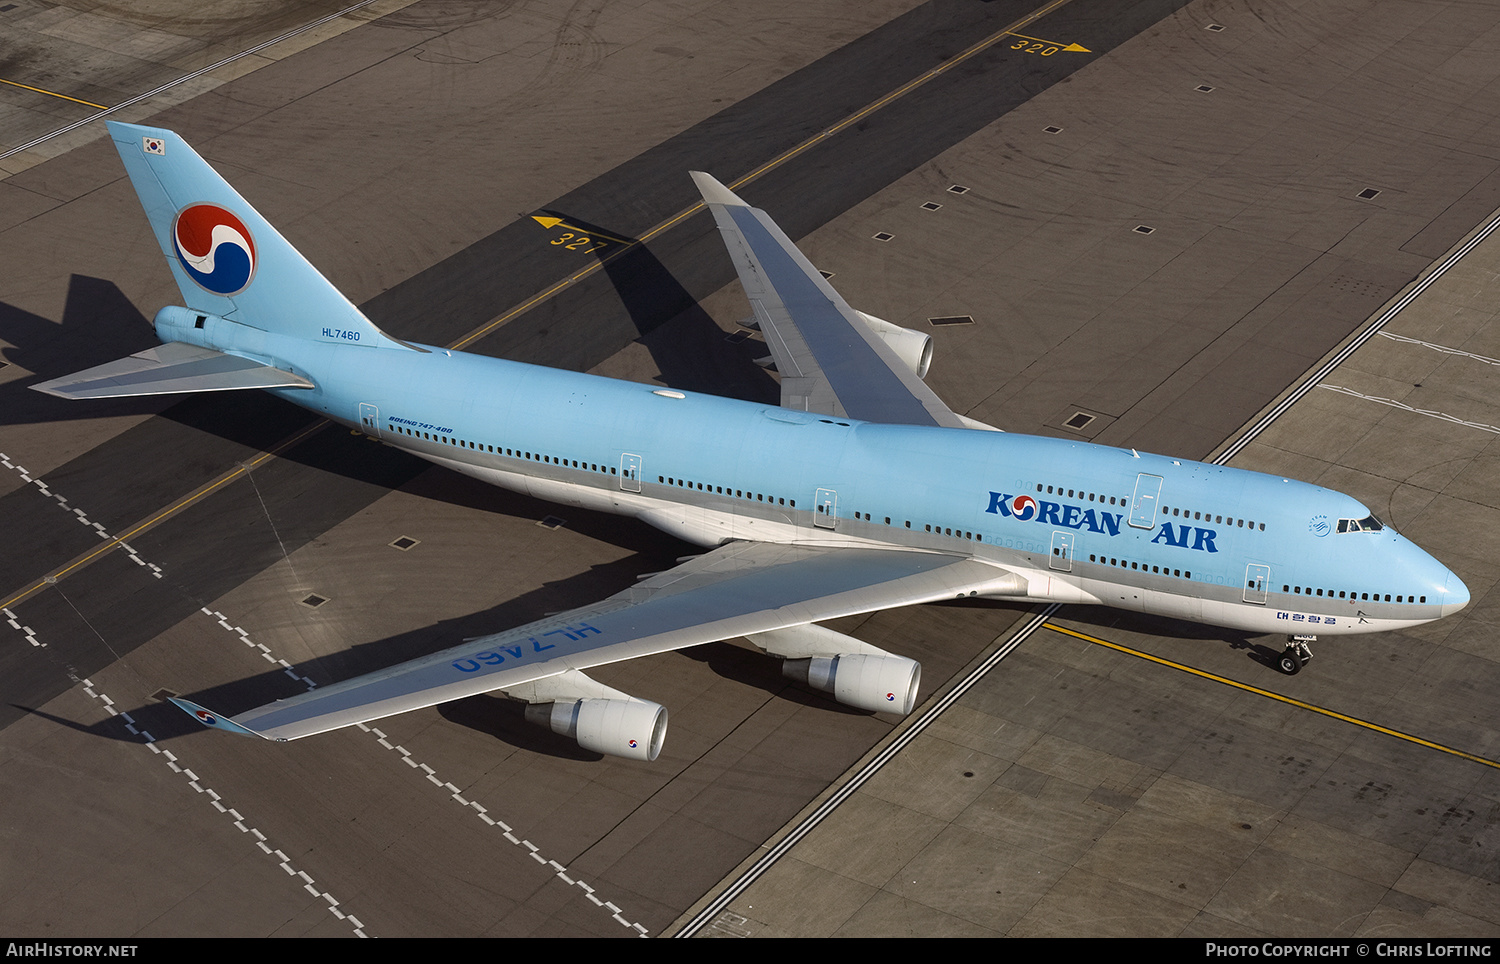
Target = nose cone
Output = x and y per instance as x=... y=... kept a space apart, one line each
x=1455 y=595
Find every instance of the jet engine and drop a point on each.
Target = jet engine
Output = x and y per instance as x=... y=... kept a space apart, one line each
x=879 y=684
x=851 y=670
x=913 y=347
x=630 y=728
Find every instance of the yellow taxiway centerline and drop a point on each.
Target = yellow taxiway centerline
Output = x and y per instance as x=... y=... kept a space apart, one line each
x=485 y=329
x=53 y=93
x=1268 y=694
x=770 y=165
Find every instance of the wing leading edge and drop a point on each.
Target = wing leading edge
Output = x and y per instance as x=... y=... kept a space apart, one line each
x=735 y=590
x=829 y=358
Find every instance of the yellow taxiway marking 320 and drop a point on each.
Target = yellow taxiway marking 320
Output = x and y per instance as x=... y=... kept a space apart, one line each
x=1269 y=695
x=770 y=165
x=1046 y=47
x=53 y=93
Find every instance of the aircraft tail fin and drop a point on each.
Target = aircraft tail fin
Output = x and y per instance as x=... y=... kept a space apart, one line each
x=227 y=259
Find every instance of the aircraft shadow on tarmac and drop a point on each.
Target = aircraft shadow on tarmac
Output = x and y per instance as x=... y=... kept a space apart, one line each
x=165 y=721
x=493 y=715
x=690 y=350
x=1105 y=619
x=100 y=324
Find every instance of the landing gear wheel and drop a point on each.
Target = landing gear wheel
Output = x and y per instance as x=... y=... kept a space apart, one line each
x=1296 y=654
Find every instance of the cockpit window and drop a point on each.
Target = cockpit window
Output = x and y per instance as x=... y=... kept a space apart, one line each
x=1367 y=524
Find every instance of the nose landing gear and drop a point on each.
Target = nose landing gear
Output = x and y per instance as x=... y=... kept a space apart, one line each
x=1296 y=654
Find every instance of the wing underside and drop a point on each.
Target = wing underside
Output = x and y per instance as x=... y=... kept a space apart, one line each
x=829 y=359
x=735 y=590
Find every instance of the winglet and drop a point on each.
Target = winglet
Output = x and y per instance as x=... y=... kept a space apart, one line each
x=715 y=193
x=213 y=720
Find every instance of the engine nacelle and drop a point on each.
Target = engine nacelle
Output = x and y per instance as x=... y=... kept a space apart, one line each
x=913 y=347
x=879 y=684
x=633 y=729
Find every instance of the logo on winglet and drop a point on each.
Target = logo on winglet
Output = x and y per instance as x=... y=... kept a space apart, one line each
x=154 y=145
x=215 y=248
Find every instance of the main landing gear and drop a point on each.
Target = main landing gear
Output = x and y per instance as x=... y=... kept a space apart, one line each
x=1296 y=654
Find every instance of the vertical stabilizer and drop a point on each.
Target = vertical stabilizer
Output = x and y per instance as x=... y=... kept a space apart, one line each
x=227 y=259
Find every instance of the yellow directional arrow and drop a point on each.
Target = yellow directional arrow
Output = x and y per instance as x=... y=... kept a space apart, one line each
x=1069 y=48
x=550 y=223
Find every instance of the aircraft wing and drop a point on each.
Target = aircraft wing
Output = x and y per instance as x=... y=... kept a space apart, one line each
x=734 y=590
x=830 y=360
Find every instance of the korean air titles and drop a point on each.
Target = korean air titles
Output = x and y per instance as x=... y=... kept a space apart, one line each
x=1061 y=515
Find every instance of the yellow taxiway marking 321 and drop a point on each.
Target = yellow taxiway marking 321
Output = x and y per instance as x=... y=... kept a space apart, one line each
x=51 y=93
x=542 y=296
x=1271 y=696
x=1046 y=47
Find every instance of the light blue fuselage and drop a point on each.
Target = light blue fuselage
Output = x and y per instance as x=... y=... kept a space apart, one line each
x=1081 y=522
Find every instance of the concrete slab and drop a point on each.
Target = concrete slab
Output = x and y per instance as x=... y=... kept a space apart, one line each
x=1260 y=263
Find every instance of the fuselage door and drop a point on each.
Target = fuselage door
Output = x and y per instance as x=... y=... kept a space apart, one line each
x=630 y=472
x=1257 y=583
x=369 y=419
x=825 y=508
x=1143 y=504
x=1062 y=552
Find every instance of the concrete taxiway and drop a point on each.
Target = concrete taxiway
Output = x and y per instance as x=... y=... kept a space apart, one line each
x=1079 y=788
x=1207 y=799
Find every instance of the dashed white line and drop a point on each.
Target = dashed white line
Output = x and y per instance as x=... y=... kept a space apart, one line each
x=558 y=870
x=24 y=630
x=430 y=775
x=260 y=648
x=1391 y=402
x=217 y=802
x=1441 y=348
x=78 y=513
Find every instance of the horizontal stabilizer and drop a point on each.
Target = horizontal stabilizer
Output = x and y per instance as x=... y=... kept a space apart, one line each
x=171 y=369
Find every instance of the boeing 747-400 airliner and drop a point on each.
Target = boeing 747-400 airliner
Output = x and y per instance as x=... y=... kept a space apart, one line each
x=861 y=491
